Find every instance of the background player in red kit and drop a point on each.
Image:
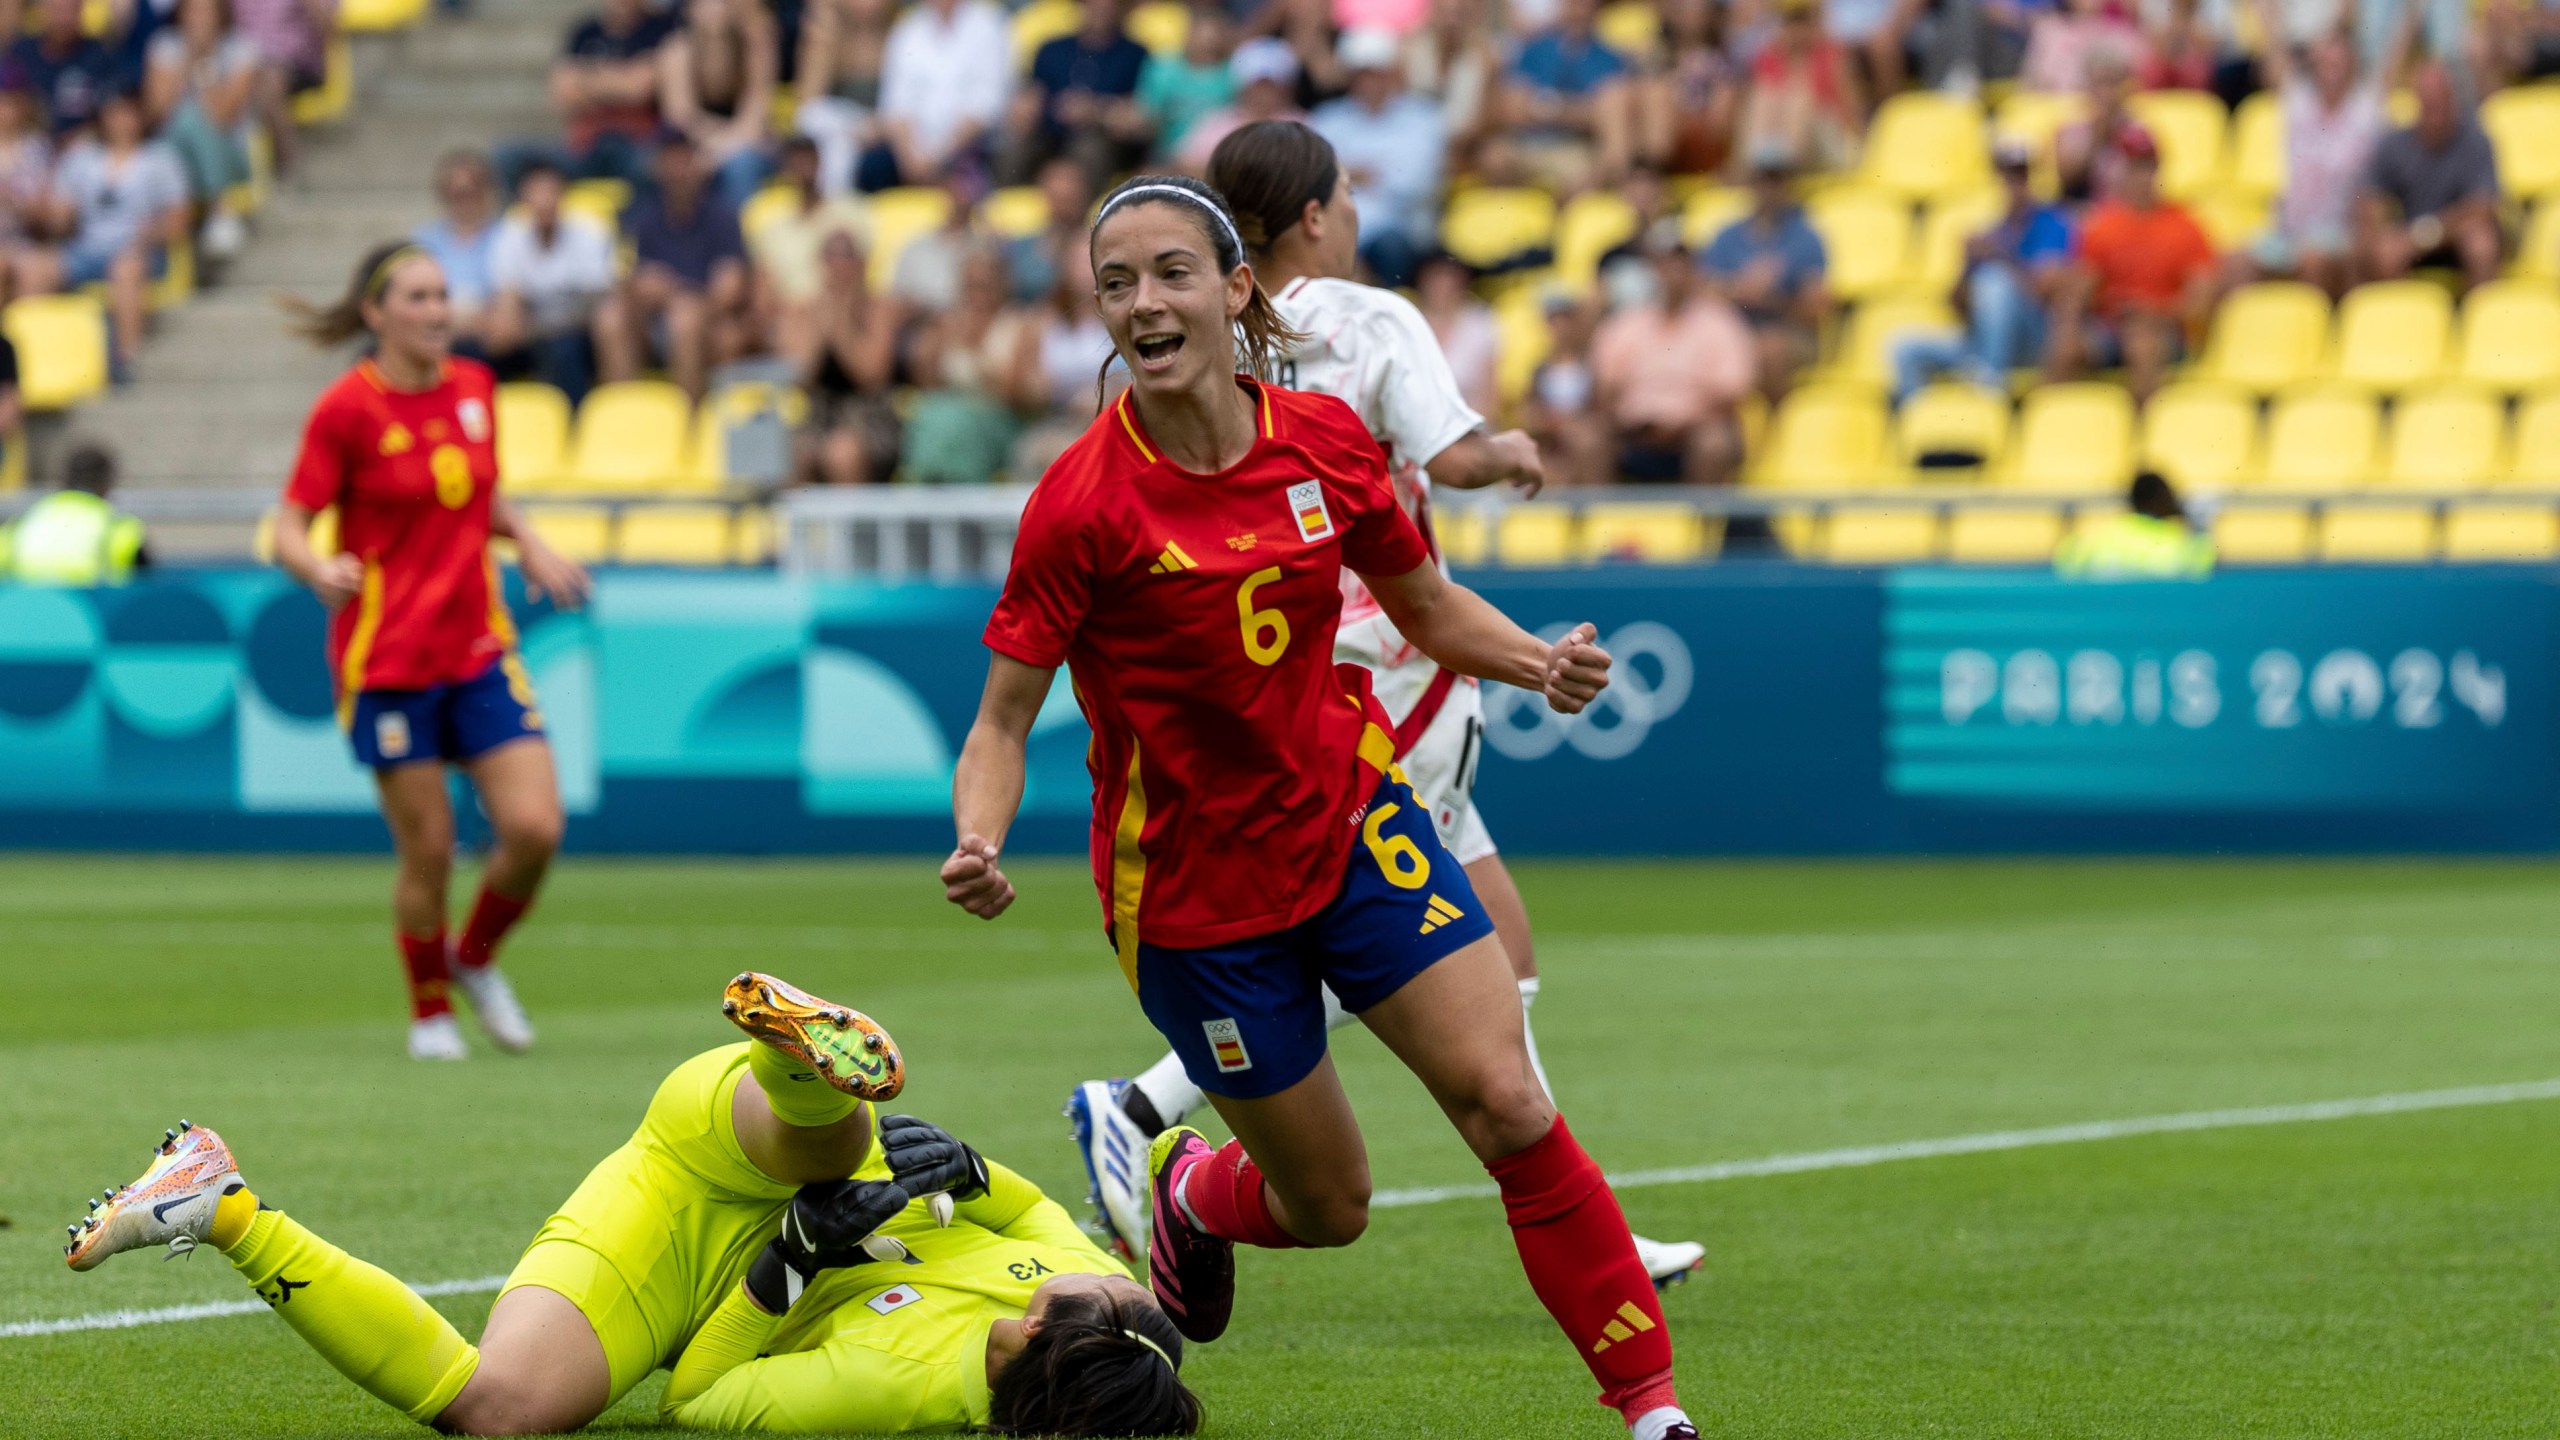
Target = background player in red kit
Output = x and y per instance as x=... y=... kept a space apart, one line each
x=1253 y=841
x=421 y=648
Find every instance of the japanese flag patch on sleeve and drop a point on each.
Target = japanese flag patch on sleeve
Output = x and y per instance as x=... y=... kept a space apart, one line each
x=1306 y=506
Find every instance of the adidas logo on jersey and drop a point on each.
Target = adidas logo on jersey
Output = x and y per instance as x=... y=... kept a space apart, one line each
x=1438 y=913
x=1173 y=561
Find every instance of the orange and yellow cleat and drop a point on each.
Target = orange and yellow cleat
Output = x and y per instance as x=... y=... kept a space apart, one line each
x=172 y=1203
x=847 y=1048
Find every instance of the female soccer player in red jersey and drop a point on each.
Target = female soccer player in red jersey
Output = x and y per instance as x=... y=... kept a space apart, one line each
x=420 y=644
x=1253 y=841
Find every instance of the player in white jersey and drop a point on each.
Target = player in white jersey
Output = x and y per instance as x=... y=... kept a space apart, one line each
x=1372 y=349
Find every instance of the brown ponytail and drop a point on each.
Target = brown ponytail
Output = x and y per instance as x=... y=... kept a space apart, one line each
x=335 y=324
x=1268 y=171
x=1263 y=339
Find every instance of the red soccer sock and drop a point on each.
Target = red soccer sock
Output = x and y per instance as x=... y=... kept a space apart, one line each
x=1573 y=1242
x=492 y=916
x=423 y=957
x=1225 y=1194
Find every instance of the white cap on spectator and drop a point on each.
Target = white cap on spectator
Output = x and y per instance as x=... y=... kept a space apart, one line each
x=1263 y=59
x=1368 y=47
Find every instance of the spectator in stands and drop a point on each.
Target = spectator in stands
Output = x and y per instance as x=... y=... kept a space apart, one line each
x=1962 y=43
x=2152 y=540
x=2333 y=120
x=1073 y=349
x=2088 y=153
x=69 y=73
x=1671 y=364
x=1175 y=90
x=1772 y=266
x=1390 y=143
x=1687 y=108
x=686 y=298
x=2517 y=40
x=1568 y=104
x=463 y=242
x=1464 y=325
x=119 y=201
x=605 y=88
x=926 y=279
x=13 y=416
x=1805 y=98
x=1032 y=259
x=790 y=271
x=1648 y=194
x=2431 y=197
x=2012 y=274
x=76 y=536
x=1265 y=72
x=26 y=179
x=852 y=437
x=943 y=82
x=2183 y=53
x=716 y=78
x=292 y=37
x=549 y=273
x=201 y=89
x=977 y=365
x=1574 y=437
x=2143 y=280
x=1873 y=31
x=1081 y=102
x=1453 y=60
x=843 y=44
x=2061 y=43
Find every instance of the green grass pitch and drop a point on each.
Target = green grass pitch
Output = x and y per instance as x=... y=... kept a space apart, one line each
x=2386 y=1276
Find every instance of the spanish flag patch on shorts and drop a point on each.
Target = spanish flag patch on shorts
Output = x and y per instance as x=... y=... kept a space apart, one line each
x=1226 y=1042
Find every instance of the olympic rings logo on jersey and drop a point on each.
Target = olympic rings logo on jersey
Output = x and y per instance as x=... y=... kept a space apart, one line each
x=1648 y=684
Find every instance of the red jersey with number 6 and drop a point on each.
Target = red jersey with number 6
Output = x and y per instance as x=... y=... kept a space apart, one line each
x=1196 y=613
x=413 y=474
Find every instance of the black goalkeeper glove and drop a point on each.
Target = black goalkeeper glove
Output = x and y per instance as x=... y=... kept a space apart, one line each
x=827 y=1226
x=927 y=1160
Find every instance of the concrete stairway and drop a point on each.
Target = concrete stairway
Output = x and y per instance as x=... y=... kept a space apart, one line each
x=221 y=391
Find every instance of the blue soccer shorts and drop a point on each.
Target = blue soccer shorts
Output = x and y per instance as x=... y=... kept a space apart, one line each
x=457 y=722
x=1247 y=1017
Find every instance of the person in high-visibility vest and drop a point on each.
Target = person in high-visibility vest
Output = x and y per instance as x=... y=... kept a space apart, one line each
x=75 y=536
x=2151 y=541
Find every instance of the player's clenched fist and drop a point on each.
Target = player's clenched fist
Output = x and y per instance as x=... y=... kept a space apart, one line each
x=971 y=880
x=1577 y=670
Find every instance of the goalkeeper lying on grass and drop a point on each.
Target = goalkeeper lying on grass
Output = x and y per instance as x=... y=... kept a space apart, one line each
x=724 y=1240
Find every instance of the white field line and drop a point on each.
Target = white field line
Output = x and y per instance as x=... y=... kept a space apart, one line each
x=1844 y=1159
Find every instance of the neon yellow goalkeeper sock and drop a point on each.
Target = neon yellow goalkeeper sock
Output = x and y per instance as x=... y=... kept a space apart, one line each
x=360 y=1318
x=795 y=1092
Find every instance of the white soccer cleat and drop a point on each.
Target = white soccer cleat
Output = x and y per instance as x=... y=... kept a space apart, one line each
x=494 y=1001
x=436 y=1038
x=1670 y=1262
x=1115 y=1160
x=171 y=1204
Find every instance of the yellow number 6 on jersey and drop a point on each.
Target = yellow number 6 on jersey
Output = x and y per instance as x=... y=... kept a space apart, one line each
x=1258 y=623
x=1399 y=859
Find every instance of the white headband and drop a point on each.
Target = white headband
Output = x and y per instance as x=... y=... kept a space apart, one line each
x=1132 y=1334
x=1194 y=196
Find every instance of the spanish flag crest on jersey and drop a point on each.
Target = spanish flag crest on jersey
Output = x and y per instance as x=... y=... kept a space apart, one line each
x=1306 y=506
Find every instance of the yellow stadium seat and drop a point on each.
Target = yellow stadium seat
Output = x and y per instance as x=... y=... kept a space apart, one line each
x=1520 y=318
x=2257 y=146
x=1710 y=212
x=1163 y=26
x=1661 y=533
x=323 y=533
x=1017 y=211
x=374 y=16
x=1865 y=355
x=2074 y=437
x=2321 y=440
x=2538 y=254
x=2200 y=435
x=2536 y=460
x=62 y=348
x=1825 y=437
x=1937 y=261
x=2378 y=534
x=1040 y=22
x=767 y=208
x=2189 y=125
x=1925 y=143
x=2263 y=534
x=1492 y=224
x=601 y=200
x=1633 y=28
x=2523 y=122
x=584 y=533
x=674 y=535
x=533 y=435
x=632 y=436
x=329 y=101
x=1534 y=535
x=2003 y=534
x=2449 y=439
x=1866 y=235
x=2393 y=335
x=2511 y=336
x=1465 y=533
x=2267 y=336
x=2233 y=219
x=1593 y=224
x=2501 y=532
x=1948 y=420
x=755 y=536
x=1881 y=535
x=898 y=217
